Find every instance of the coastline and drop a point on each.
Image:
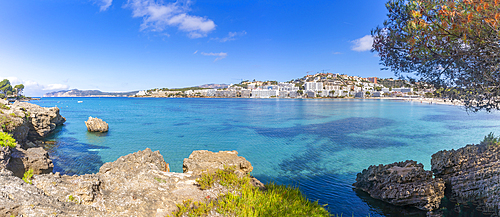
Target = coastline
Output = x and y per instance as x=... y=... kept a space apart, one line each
x=437 y=101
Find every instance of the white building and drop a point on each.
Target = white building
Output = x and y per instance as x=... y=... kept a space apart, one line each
x=141 y=93
x=258 y=93
x=313 y=86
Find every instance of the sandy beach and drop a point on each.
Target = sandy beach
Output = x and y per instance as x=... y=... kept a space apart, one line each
x=426 y=100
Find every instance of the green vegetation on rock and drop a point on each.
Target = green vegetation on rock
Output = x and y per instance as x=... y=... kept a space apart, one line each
x=27 y=176
x=490 y=140
x=6 y=140
x=244 y=199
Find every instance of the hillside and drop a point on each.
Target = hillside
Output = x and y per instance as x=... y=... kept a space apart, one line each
x=88 y=93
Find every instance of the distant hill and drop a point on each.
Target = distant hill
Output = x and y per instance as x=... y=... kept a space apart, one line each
x=214 y=86
x=88 y=93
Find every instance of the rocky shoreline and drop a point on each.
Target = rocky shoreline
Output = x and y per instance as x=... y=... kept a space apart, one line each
x=469 y=176
x=138 y=184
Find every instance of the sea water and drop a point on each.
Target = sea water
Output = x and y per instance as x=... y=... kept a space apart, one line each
x=318 y=145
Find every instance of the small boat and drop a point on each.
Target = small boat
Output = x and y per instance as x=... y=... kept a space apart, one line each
x=80 y=101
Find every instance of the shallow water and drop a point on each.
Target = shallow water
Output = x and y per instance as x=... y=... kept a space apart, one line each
x=318 y=145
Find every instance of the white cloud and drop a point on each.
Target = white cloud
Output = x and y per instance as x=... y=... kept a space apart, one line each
x=105 y=4
x=230 y=36
x=336 y=53
x=220 y=55
x=195 y=52
x=362 y=44
x=55 y=87
x=32 y=88
x=159 y=15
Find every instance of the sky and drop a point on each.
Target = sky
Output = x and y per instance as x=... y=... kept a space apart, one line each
x=127 y=45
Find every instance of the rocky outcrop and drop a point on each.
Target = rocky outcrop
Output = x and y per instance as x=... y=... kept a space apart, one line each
x=138 y=184
x=206 y=161
x=472 y=173
x=26 y=121
x=36 y=159
x=4 y=158
x=96 y=125
x=402 y=184
x=41 y=121
x=18 y=198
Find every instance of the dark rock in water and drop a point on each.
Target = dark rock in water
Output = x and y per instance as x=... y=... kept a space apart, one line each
x=206 y=161
x=96 y=125
x=36 y=159
x=472 y=173
x=138 y=184
x=402 y=184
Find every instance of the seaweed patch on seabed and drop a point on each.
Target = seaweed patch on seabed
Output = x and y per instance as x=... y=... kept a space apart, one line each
x=75 y=158
x=339 y=135
x=71 y=157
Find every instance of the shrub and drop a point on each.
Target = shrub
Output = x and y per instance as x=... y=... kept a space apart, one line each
x=27 y=176
x=6 y=140
x=490 y=140
x=244 y=199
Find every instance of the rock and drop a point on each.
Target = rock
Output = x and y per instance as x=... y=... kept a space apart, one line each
x=402 y=184
x=472 y=173
x=40 y=121
x=5 y=153
x=137 y=184
x=36 y=159
x=83 y=189
x=14 y=122
x=21 y=199
x=96 y=125
x=206 y=161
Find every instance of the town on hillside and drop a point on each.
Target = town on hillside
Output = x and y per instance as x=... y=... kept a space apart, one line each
x=319 y=85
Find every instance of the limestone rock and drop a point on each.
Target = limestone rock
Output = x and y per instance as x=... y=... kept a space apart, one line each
x=137 y=184
x=40 y=121
x=402 y=184
x=96 y=125
x=36 y=159
x=472 y=173
x=4 y=157
x=207 y=161
x=21 y=199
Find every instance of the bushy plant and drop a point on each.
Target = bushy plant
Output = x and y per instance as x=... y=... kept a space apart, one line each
x=490 y=140
x=27 y=176
x=6 y=140
x=244 y=199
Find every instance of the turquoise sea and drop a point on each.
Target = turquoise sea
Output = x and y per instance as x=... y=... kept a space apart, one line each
x=318 y=145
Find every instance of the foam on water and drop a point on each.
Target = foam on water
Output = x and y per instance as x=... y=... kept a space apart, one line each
x=318 y=145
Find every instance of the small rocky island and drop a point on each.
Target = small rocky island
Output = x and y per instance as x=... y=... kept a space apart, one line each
x=96 y=125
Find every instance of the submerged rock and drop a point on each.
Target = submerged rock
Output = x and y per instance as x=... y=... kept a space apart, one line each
x=206 y=161
x=402 y=184
x=472 y=173
x=96 y=125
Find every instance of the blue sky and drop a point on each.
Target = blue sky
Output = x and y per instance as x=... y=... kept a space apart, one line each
x=120 y=45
